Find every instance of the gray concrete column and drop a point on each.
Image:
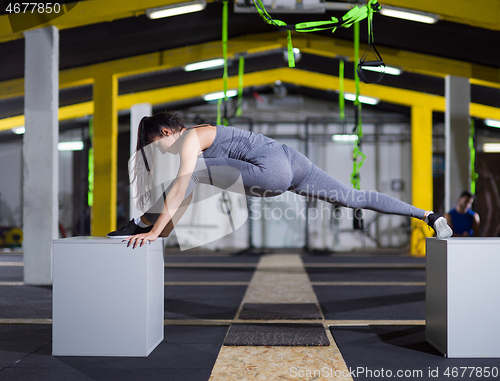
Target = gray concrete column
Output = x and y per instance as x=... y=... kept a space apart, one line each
x=137 y=112
x=40 y=186
x=457 y=131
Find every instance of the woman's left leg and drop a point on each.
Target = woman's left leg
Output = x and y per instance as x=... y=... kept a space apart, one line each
x=310 y=180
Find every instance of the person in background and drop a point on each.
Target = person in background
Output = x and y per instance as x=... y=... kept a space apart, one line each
x=463 y=220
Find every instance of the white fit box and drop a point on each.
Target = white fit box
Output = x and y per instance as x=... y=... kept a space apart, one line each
x=107 y=298
x=462 y=296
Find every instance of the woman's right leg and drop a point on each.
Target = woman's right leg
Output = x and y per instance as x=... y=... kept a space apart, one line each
x=310 y=180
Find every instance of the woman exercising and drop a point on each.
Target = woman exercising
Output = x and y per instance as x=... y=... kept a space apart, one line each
x=219 y=155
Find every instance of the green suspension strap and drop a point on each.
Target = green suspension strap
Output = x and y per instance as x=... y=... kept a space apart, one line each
x=90 y=193
x=341 y=94
x=354 y=15
x=473 y=175
x=358 y=156
x=241 y=72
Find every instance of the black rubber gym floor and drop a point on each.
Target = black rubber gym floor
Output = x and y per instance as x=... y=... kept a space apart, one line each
x=190 y=349
x=372 y=302
x=188 y=353
x=401 y=352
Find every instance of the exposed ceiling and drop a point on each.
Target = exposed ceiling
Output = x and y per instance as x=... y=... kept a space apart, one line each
x=466 y=40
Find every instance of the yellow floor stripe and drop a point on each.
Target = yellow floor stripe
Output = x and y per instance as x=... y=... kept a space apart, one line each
x=25 y=321
x=11 y=283
x=307 y=265
x=210 y=264
x=207 y=283
x=365 y=265
x=222 y=322
x=368 y=283
x=247 y=283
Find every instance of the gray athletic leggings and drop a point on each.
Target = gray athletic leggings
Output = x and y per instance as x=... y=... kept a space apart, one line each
x=276 y=168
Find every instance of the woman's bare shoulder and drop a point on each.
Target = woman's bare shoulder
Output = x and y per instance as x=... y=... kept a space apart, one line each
x=205 y=134
x=201 y=136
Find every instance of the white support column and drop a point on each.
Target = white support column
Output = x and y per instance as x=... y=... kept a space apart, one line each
x=41 y=175
x=457 y=131
x=137 y=112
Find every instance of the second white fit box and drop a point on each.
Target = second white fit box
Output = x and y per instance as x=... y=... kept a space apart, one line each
x=462 y=296
x=107 y=298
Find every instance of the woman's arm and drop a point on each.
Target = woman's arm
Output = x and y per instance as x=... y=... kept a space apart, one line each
x=188 y=157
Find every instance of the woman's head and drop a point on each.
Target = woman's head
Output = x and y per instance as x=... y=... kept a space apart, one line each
x=141 y=165
x=157 y=126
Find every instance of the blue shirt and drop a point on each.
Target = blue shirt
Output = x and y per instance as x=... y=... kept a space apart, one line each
x=462 y=222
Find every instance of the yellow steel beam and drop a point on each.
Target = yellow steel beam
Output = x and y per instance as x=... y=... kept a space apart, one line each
x=484 y=112
x=151 y=62
x=409 y=61
x=105 y=145
x=80 y=14
x=313 y=44
x=294 y=76
x=480 y=13
x=421 y=174
x=66 y=112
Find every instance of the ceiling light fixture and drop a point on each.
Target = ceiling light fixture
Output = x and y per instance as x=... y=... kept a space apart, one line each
x=220 y=95
x=409 y=14
x=492 y=123
x=70 y=146
x=176 y=9
x=19 y=130
x=210 y=64
x=491 y=147
x=346 y=138
x=362 y=99
x=387 y=69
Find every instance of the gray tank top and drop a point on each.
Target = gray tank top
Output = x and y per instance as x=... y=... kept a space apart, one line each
x=231 y=142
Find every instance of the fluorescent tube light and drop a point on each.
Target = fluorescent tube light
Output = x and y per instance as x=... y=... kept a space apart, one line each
x=492 y=123
x=219 y=95
x=409 y=14
x=210 y=64
x=176 y=9
x=380 y=69
x=362 y=99
x=491 y=147
x=345 y=138
x=70 y=146
x=19 y=130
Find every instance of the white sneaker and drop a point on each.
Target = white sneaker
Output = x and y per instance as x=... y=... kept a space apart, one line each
x=440 y=225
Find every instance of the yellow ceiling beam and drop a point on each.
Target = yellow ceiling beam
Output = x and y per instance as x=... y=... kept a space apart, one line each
x=147 y=63
x=83 y=13
x=65 y=113
x=409 y=61
x=479 y=13
x=267 y=77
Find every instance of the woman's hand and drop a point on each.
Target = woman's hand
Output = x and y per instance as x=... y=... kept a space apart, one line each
x=141 y=239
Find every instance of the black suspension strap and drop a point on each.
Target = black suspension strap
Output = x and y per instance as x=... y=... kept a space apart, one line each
x=377 y=62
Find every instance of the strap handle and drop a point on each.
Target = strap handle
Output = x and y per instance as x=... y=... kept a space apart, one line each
x=354 y=15
x=378 y=61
